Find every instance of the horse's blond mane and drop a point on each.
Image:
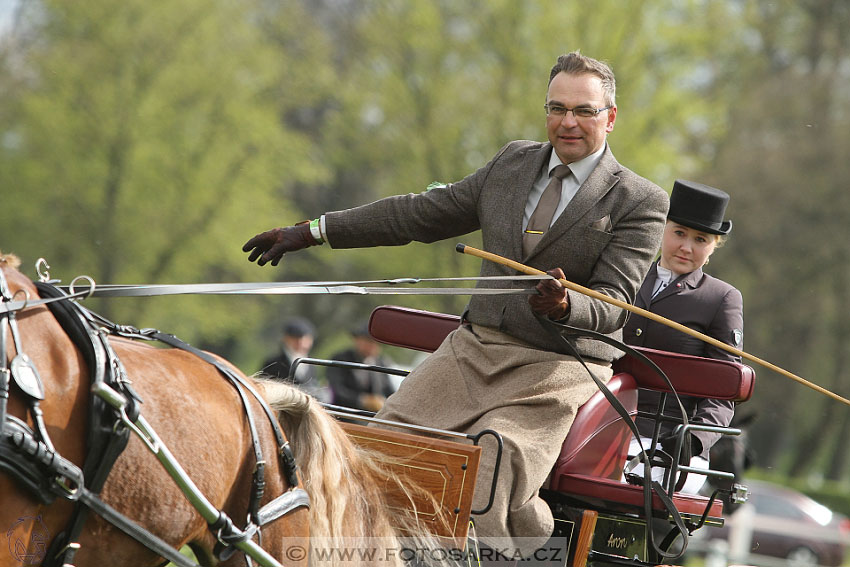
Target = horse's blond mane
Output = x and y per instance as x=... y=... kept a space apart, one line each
x=347 y=504
x=9 y=260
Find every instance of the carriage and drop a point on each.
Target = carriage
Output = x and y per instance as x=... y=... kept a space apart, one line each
x=86 y=415
x=601 y=517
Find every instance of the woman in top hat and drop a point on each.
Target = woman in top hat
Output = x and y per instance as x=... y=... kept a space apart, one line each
x=677 y=288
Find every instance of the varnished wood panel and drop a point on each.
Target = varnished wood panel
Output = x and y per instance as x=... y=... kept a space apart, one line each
x=444 y=469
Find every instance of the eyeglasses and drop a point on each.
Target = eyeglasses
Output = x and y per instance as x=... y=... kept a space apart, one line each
x=579 y=112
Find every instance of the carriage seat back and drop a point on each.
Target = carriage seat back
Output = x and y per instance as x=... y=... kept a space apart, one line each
x=691 y=375
x=411 y=328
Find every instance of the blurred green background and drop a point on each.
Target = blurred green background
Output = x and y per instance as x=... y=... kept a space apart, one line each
x=144 y=141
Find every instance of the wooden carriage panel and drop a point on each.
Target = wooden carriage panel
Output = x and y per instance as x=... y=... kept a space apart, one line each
x=445 y=469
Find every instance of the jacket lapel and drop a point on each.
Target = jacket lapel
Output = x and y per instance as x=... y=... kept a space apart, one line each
x=528 y=173
x=601 y=180
x=687 y=281
x=645 y=291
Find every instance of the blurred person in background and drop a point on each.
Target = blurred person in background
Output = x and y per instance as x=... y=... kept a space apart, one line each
x=360 y=388
x=296 y=341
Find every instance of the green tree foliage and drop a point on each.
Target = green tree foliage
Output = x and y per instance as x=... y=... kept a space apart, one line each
x=145 y=141
x=155 y=138
x=784 y=161
x=429 y=91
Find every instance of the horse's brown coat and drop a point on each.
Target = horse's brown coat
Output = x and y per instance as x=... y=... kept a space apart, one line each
x=195 y=411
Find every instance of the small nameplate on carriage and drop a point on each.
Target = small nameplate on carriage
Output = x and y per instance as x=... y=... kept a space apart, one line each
x=619 y=536
x=26 y=376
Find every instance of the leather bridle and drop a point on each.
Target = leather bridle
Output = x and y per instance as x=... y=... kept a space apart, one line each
x=30 y=457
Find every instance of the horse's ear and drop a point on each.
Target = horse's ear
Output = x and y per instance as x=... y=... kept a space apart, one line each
x=10 y=260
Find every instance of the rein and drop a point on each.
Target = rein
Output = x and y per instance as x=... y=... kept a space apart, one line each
x=566 y=335
x=393 y=287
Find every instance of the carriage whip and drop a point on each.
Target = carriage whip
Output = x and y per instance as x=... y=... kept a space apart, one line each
x=464 y=249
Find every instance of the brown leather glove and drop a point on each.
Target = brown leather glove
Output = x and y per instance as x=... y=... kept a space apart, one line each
x=270 y=246
x=552 y=299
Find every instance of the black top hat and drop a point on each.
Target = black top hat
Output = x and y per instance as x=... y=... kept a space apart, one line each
x=699 y=207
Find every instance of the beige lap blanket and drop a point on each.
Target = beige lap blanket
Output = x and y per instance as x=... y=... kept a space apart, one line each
x=480 y=379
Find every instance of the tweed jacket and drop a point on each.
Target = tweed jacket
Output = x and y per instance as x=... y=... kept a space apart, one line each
x=702 y=303
x=605 y=239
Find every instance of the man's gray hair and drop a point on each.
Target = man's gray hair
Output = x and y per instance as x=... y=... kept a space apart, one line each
x=575 y=63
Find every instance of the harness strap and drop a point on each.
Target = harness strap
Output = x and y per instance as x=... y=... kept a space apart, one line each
x=289 y=465
x=258 y=479
x=133 y=530
x=42 y=470
x=175 y=342
x=105 y=442
x=315 y=287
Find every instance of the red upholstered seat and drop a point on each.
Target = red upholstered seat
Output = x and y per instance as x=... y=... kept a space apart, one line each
x=691 y=375
x=598 y=440
x=411 y=328
x=614 y=494
x=587 y=471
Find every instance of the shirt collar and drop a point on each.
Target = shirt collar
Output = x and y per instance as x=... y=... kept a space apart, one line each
x=582 y=168
x=664 y=274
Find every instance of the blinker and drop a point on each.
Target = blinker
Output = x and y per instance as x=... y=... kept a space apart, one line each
x=26 y=376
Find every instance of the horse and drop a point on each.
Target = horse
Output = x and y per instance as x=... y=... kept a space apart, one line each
x=200 y=418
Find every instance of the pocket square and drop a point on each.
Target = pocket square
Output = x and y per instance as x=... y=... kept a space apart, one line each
x=603 y=224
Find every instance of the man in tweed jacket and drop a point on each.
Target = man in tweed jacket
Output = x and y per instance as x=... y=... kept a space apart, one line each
x=502 y=370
